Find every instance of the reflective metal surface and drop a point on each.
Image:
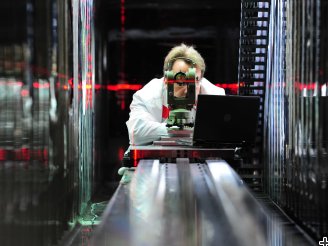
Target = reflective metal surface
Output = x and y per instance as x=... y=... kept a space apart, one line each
x=283 y=58
x=186 y=203
x=46 y=115
x=295 y=112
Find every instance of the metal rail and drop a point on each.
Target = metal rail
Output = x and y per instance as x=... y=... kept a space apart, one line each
x=186 y=203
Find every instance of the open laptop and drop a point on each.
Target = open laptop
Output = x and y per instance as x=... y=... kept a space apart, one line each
x=225 y=121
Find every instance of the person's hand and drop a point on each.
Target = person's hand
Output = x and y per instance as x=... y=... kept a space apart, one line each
x=126 y=173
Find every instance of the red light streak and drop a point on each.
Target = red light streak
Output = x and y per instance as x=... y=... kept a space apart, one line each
x=172 y=81
x=15 y=83
x=24 y=93
x=232 y=86
x=302 y=86
x=65 y=87
x=118 y=87
x=3 y=155
x=97 y=87
x=135 y=158
x=122 y=104
x=70 y=82
x=41 y=85
x=120 y=153
x=122 y=16
x=124 y=86
x=25 y=154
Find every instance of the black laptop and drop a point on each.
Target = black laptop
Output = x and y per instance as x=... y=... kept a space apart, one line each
x=226 y=120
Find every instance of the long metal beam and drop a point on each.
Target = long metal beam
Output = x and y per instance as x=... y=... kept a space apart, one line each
x=186 y=203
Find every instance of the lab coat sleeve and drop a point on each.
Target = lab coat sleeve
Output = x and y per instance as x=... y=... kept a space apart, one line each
x=208 y=88
x=142 y=125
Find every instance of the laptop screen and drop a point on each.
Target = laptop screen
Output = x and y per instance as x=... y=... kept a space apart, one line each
x=226 y=120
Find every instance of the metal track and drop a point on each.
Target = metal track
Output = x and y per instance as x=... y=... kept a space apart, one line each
x=186 y=203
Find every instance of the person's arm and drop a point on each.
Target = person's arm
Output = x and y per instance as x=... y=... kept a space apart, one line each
x=210 y=89
x=142 y=126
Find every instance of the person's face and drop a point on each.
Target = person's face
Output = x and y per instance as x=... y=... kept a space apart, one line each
x=181 y=66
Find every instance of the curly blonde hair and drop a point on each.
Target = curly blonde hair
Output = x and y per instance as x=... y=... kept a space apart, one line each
x=184 y=52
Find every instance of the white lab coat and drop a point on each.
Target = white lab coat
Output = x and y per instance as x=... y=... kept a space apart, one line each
x=146 y=123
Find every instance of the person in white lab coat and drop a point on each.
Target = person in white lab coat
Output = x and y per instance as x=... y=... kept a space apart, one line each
x=149 y=110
